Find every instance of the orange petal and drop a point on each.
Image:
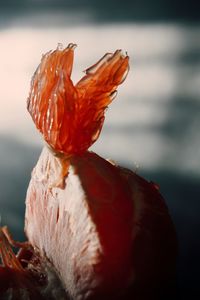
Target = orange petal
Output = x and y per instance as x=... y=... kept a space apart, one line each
x=71 y=117
x=96 y=90
x=6 y=253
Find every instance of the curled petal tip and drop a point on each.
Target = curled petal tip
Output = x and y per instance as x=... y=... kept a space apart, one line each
x=60 y=46
x=95 y=67
x=71 y=46
x=113 y=95
x=119 y=53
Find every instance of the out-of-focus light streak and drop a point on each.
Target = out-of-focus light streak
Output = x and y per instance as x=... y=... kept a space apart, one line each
x=137 y=122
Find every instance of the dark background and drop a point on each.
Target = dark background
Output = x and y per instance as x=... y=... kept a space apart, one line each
x=113 y=10
x=180 y=186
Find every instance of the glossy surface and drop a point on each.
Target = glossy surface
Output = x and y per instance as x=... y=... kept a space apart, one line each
x=70 y=117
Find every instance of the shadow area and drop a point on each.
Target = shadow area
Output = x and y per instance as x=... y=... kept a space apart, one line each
x=181 y=193
x=16 y=163
x=113 y=10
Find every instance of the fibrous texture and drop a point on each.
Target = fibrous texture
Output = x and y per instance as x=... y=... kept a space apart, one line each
x=70 y=117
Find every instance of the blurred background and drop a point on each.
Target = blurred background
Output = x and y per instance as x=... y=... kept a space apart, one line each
x=153 y=124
